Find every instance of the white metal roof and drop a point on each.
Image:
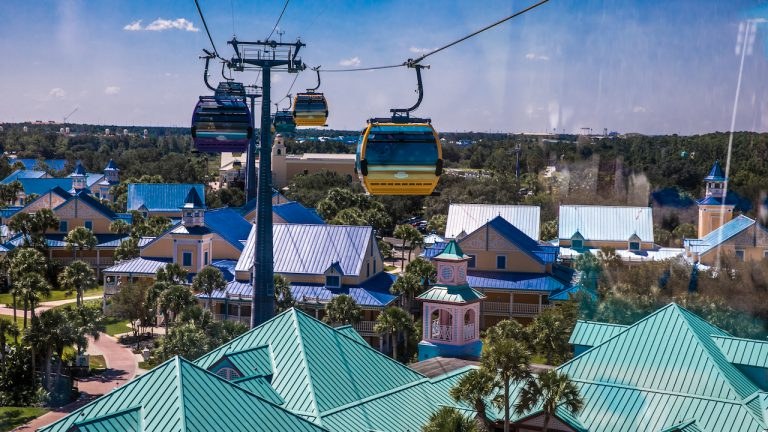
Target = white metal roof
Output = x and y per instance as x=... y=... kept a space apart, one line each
x=606 y=223
x=469 y=217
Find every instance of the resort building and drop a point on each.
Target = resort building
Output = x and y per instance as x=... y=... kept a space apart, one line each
x=160 y=199
x=35 y=182
x=519 y=276
x=464 y=219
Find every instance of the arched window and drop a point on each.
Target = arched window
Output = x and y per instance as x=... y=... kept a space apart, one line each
x=441 y=323
x=228 y=373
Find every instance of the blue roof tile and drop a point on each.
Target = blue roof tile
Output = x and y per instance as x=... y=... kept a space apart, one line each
x=716 y=173
x=229 y=224
x=514 y=281
x=160 y=197
x=20 y=174
x=55 y=164
x=41 y=186
x=295 y=213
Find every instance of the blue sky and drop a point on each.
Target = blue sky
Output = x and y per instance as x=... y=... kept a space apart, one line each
x=646 y=66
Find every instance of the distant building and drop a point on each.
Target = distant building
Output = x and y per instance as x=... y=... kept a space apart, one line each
x=160 y=199
x=464 y=219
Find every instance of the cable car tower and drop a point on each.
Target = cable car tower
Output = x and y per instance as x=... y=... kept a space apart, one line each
x=264 y=56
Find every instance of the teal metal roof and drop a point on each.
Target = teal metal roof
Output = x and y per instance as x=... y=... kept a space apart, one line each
x=452 y=252
x=591 y=333
x=743 y=351
x=685 y=426
x=179 y=396
x=252 y=362
x=259 y=386
x=351 y=333
x=462 y=294
x=317 y=368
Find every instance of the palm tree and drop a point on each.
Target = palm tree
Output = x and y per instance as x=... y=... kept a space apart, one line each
x=175 y=299
x=79 y=239
x=120 y=227
x=415 y=239
x=25 y=261
x=474 y=388
x=424 y=270
x=43 y=220
x=342 y=310
x=208 y=280
x=448 y=419
x=172 y=273
x=509 y=360
x=403 y=232
x=393 y=321
x=50 y=333
x=408 y=286
x=32 y=287
x=550 y=390
x=21 y=223
x=7 y=328
x=78 y=276
x=89 y=321
x=283 y=298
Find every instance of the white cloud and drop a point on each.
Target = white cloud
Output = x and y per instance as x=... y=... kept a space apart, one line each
x=162 y=24
x=112 y=90
x=354 y=61
x=57 y=92
x=534 y=56
x=134 y=26
x=417 y=50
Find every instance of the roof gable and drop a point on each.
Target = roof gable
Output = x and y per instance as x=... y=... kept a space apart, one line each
x=179 y=396
x=605 y=223
x=720 y=235
x=229 y=224
x=40 y=186
x=592 y=333
x=671 y=351
x=295 y=213
x=746 y=352
x=469 y=217
x=310 y=249
x=316 y=367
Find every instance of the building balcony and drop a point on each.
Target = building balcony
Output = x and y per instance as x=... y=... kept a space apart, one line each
x=513 y=309
x=365 y=328
x=242 y=319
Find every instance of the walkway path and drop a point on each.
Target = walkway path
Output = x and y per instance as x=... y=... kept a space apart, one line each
x=44 y=306
x=121 y=367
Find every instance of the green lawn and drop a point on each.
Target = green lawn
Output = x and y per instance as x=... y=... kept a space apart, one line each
x=97 y=362
x=11 y=417
x=117 y=326
x=7 y=299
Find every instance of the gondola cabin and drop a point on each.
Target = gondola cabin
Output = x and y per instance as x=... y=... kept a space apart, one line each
x=283 y=122
x=399 y=158
x=310 y=109
x=221 y=124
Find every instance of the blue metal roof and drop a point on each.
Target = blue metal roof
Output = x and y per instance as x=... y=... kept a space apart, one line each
x=9 y=211
x=20 y=174
x=310 y=249
x=85 y=197
x=227 y=268
x=41 y=186
x=716 y=173
x=374 y=292
x=542 y=253
x=434 y=249
x=137 y=266
x=720 y=235
x=295 y=213
x=55 y=164
x=160 y=197
x=514 y=281
x=111 y=166
x=249 y=206
x=79 y=170
x=229 y=224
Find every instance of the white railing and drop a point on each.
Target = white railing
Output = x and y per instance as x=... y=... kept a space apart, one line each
x=469 y=331
x=441 y=332
x=222 y=317
x=364 y=327
x=496 y=307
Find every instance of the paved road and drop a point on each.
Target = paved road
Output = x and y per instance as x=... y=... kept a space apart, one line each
x=121 y=367
x=44 y=306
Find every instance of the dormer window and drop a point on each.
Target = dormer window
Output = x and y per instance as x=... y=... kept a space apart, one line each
x=577 y=244
x=634 y=246
x=332 y=281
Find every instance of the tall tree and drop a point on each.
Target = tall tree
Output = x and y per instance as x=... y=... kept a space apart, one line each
x=130 y=303
x=424 y=270
x=408 y=286
x=172 y=273
x=7 y=328
x=447 y=419
x=208 y=280
x=175 y=299
x=509 y=360
x=128 y=249
x=549 y=389
x=405 y=233
x=88 y=321
x=77 y=276
x=474 y=388
x=283 y=298
x=42 y=221
x=25 y=261
x=342 y=309
x=21 y=223
x=120 y=227
x=33 y=287
x=551 y=331
x=78 y=240
x=394 y=321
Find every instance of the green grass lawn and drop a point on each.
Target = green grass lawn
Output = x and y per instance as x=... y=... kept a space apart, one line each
x=390 y=267
x=97 y=362
x=117 y=326
x=7 y=299
x=11 y=417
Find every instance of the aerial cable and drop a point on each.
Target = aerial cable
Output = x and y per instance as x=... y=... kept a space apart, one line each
x=232 y=7
x=435 y=51
x=200 y=11
x=278 y=19
x=412 y=62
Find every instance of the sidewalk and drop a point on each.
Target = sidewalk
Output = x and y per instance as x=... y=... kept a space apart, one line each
x=121 y=367
x=44 y=306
